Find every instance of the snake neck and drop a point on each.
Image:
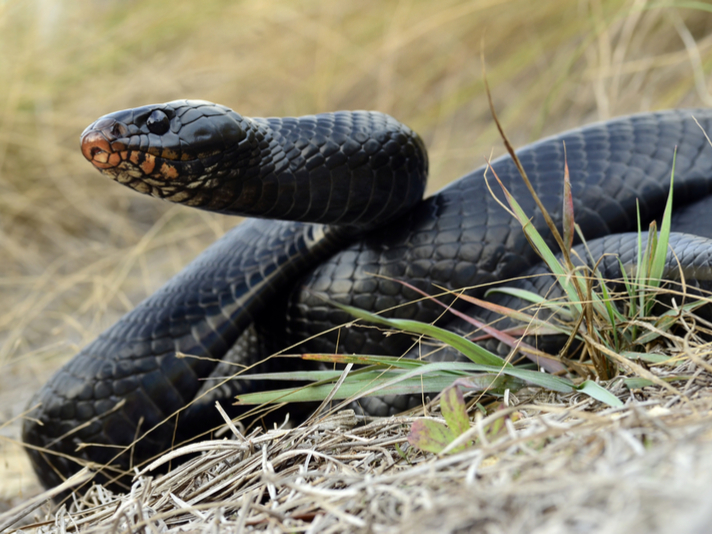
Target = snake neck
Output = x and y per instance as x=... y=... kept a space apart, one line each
x=357 y=170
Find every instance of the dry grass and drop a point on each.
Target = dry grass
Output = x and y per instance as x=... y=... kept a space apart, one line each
x=567 y=465
x=77 y=251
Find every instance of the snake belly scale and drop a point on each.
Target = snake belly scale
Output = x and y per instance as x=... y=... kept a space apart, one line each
x=346 y=189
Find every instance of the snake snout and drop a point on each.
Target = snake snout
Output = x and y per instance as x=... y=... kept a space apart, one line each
x=101 y=143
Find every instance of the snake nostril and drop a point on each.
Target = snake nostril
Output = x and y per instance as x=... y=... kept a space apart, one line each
x=95 y=150
x=118 y=130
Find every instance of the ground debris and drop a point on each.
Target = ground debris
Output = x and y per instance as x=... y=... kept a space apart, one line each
x=568 y=464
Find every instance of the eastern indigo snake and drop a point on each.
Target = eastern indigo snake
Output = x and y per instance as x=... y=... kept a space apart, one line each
x=257 y=289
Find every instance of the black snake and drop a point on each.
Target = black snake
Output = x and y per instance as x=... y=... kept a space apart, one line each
x=257 y=289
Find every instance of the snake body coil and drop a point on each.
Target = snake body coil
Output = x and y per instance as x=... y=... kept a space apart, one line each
x=257 y=289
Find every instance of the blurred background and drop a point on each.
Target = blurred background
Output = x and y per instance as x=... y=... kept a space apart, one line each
x=77 y=251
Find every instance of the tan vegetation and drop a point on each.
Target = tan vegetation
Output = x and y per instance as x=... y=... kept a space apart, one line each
x=76 y=251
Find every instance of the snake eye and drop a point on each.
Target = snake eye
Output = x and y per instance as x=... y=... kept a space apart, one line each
x=158 y=122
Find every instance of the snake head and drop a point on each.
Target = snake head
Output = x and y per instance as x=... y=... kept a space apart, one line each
x=177 y=151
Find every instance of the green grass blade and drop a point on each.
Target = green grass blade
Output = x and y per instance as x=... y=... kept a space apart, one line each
x=428 y=378
x=544 y=360
x=567 y=210
x=384 y=384
x=537 y=378
x=473 y=351
x=637 y=382
x=366 y=359
x=528 y=296
x=298 y=376
x=613 y=315
x=599 y=393
x=537 y=241
x=648 y=357
x=660 y=253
